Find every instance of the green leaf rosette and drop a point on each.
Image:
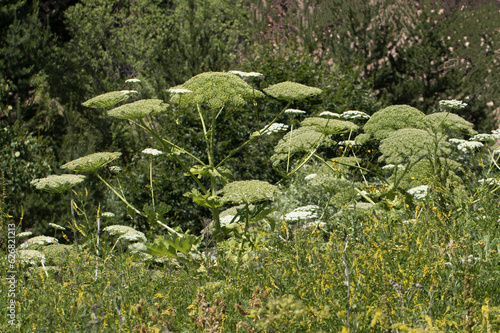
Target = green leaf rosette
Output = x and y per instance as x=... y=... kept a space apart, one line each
x=138 y=110
x=91 y=163
x=291 y=91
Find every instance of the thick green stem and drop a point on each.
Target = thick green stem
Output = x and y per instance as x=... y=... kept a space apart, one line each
x=151 y=182
x=213 y=180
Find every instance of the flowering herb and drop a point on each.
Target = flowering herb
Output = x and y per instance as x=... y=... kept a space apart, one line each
x=57 y=183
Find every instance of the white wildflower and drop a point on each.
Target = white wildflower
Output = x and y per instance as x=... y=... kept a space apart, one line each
x=57 y=226
x=471 y=145
x=246 y=74
x=179 y=91
x=134 y=236
x=24 y=234
x=452 y=104
x=30 y=256
x=348 y=143
x=465 y=145
x=294 y=111
x=457 y=141
x=392 y=166
x=489 y=181
x=107 y=214
x=152 y=151
x=329 y=114
x=314 y=224
x=38 y=240
x=137 y=247
x=419 y=192
x=486 y=137
x=132 y=80
x=311 y=176
x=302 y=213
x=128 y=232
x=115 y=169
x=228 y=219
x=57 y=183
x=274 y=128
x=352 y=114
x=128 y=92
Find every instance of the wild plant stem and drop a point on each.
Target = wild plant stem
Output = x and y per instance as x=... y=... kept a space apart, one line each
x=120 y=196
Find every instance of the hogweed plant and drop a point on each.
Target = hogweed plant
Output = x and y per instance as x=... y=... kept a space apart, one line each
x=386 y=222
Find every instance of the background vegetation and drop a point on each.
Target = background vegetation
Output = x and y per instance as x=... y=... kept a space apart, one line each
x=364 y=55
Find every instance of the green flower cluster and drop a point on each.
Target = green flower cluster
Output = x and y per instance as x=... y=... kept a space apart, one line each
x=138 y=110
x=450 y=123
x=410 y=145
x=57 y=183
x=106 y=100
x=392 y=118
x=329 y=126
x=303 y=139
x=248 y=191
x=291 y=91
x=216 y=90
x=92 y=162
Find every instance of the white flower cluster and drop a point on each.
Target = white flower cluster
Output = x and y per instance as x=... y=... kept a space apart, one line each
x=31 y=257
x=57 y=183
x=314 y=224
x=274 y=128
x=329 y=114
x=392 y=166
x=152 y=151
x=246 y=74
x=348 y=143
x=132 y=80
x=489 y=181
x=452 y=104
x=107 y=214
x=465 y=145
x=24 y=234
x=470 y=258
x=294 y=111
x=419 y=192
x=228 y=219
x=115 y=168
x=302 y=213
x=128 y=92
x=311 y=176
x=57 y=226
x=179 y=91
x=125 y=232
x=494 y=136
x=39 y=240
x=352 y=114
